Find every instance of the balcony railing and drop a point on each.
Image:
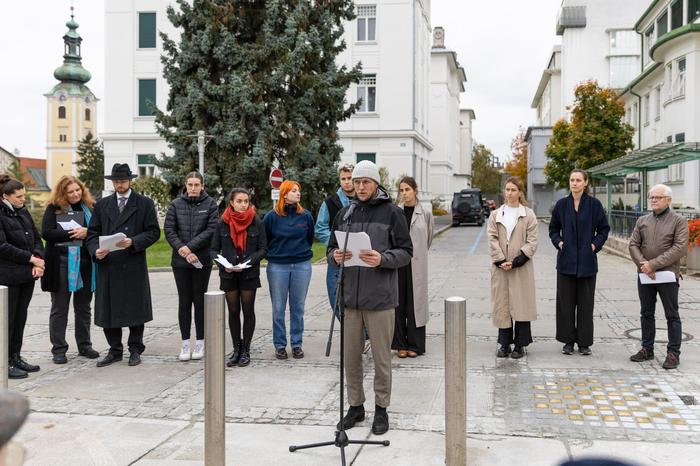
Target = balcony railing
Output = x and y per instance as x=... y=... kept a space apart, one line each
x=622 y=222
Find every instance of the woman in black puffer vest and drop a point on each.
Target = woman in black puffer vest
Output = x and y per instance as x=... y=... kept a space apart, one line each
x=21 y=263
x=189 y=226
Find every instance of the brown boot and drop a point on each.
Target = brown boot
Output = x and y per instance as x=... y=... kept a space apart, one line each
x=672 y=361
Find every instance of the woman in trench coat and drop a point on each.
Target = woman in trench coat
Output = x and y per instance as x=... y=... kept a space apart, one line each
x=512 y=230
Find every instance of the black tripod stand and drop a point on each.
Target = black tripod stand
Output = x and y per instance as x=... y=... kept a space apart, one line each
x=341 y=438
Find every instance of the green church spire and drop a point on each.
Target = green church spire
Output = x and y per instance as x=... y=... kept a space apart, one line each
x=72 y=70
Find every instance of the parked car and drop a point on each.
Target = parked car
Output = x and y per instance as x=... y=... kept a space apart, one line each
x=467 y=207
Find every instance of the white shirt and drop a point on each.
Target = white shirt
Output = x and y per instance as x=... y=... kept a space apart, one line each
x=510 y=218
x=128 y=193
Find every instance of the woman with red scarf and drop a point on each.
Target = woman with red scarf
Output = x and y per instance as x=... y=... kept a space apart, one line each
x=240 y=239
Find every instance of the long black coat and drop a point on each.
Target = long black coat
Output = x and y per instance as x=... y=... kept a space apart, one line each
x=255 y=249
x=578 y=232
x=123 y=294
x=19 y=241
x=191 y=222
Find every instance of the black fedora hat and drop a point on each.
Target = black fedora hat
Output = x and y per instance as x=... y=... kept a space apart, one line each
x=121 y=171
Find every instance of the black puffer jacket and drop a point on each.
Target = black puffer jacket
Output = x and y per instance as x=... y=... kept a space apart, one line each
x=255 y=248
x=191 y=222
x=19 y=241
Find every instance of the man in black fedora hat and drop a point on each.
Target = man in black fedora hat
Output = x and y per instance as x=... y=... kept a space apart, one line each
x=123 y=293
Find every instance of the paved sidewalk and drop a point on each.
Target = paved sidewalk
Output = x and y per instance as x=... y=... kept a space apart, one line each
x=544 y=408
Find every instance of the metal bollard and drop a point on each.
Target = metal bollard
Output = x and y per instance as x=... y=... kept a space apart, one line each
x=214 y=391
x=455 y=381
x=4 y=335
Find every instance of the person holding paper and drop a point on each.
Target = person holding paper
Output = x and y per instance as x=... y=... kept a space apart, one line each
x=189 y=227
x=69 y=268
x=578 y=229
x=290 y=234
x=21 y=263
x=412 y=313
x=123 y=292
x=371 y=294
x=658 y=242
x=240 y=243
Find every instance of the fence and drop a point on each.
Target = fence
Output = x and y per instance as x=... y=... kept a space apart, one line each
x=622 y=221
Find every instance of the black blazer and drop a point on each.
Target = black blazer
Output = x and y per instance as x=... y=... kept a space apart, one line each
x=255 y=248
x=19 y=241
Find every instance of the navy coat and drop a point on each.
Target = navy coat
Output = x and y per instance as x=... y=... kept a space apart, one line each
x=578 y=232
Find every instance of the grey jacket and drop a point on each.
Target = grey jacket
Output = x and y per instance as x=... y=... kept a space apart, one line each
x=662 y=240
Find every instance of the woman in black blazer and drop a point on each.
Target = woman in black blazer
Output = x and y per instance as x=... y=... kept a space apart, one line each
x=240 y=238
x=69 y=270
x=21 y=263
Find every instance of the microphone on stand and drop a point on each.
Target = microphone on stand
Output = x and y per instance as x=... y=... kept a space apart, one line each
x=351 y=209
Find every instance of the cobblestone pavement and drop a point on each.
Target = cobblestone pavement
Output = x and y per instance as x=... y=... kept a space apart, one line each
x=544 y=395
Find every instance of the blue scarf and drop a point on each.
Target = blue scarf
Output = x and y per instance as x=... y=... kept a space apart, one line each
x=75 y=280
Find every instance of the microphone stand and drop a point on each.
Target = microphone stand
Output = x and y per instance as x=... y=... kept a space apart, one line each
x=341 y=439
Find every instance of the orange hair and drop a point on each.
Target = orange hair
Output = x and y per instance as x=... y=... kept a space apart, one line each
x=60 y=199
x=287 y=186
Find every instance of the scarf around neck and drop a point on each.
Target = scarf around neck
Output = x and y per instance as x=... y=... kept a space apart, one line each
x=238 y=222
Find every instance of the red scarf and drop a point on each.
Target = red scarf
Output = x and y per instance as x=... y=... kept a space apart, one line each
x=238 y=222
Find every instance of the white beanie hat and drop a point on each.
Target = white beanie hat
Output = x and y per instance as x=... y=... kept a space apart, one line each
x=366 y=169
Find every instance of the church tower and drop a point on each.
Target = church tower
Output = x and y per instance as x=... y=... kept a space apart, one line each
x=71 y=109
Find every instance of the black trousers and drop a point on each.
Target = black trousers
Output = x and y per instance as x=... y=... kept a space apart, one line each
x=60 y=304
x=18 y=298
x=668 y=292
x=114 y=338
x=406 y=335
x=575 y=296
x=191 y=285
x=519 y=333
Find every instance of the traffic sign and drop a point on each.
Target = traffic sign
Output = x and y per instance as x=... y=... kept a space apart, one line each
x=276 y=178
x=275 y=193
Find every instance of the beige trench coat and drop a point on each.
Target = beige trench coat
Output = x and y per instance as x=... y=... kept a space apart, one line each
x=512 y=291
x=421 y=229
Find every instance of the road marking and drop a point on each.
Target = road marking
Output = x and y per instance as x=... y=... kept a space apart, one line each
x=478 y=238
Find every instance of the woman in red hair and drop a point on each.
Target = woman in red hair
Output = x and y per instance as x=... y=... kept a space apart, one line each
x=290 y=234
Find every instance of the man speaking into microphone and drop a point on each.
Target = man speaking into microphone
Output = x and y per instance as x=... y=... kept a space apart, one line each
x=371 y=293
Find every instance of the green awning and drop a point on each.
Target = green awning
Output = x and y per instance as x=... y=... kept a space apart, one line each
x=652 y=158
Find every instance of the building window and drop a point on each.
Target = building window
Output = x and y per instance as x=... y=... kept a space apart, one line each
x=669 y=81
x=657 y=103
x=147 y=30
x=635 y=110
x=366 y=23
x=679 y=84
x=146 y=164
x=628 y=115
x=647 y=102
x=62 y=138
x=662 y=24
x=677 y=14
x=649 y=40
x=367 y=94
x=623 y=70
x=624 y=42
x=147 y=96
x=693 y=10
x=360 y=156
x=62 y=112
x=87 y=114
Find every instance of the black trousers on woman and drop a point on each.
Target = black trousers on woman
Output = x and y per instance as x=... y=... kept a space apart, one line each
x=519 y=334
x=191 y=285
x=575 y=296
x=406 y=335
x=60 y=304
x=18 y=298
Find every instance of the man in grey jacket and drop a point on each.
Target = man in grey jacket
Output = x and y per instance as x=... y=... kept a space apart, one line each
x=371 y=293
x=658 y=242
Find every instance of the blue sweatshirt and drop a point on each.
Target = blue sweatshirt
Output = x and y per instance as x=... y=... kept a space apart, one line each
x=289 y=237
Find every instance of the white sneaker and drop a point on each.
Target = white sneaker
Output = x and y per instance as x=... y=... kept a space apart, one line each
x=198 y=352
x=185 y=351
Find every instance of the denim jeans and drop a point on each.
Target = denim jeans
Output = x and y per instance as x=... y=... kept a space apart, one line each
x=288 y=280
x=331 y=281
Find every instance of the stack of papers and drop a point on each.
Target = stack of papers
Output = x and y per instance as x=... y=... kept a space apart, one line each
x=665 y=276
x=68 y=226
x=110 y=242
x=357 y=242
x=228 y=265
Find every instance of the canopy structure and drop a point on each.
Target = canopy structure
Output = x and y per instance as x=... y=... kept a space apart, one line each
x=643 y=161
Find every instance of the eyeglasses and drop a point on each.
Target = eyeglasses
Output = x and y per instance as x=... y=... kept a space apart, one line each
x=656 y=198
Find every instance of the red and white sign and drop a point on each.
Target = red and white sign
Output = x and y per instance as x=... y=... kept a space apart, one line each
x=276 y=178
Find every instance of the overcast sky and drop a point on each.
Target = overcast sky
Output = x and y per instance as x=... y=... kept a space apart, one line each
x=503 y=46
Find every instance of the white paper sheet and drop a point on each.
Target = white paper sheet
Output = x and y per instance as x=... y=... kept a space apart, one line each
x=665 y=276
x=68 y=226
x=228 y=265
x=110 y=242
x=356 y=242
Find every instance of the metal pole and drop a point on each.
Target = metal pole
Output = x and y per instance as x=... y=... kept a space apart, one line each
x=4 y=336
x=200 y=149
x=455 y=381
x=214 y=392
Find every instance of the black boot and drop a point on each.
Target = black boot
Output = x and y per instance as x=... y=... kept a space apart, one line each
x=20 y=363
x=236 y=355
x=15 y=373
x=245 y=354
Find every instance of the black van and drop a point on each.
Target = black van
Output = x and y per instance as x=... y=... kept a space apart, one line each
x=467 y=207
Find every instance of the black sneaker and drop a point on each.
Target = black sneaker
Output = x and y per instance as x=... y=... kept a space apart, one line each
x=380 y=425
x=59 y=358
x=281 y=353
x=518 y=352
x=642 y=355
x=568 y=349
x=503 y=351
x=584 y=350
x=355 y=414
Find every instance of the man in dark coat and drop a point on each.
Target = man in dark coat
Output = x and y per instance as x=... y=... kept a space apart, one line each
x=123 y=293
